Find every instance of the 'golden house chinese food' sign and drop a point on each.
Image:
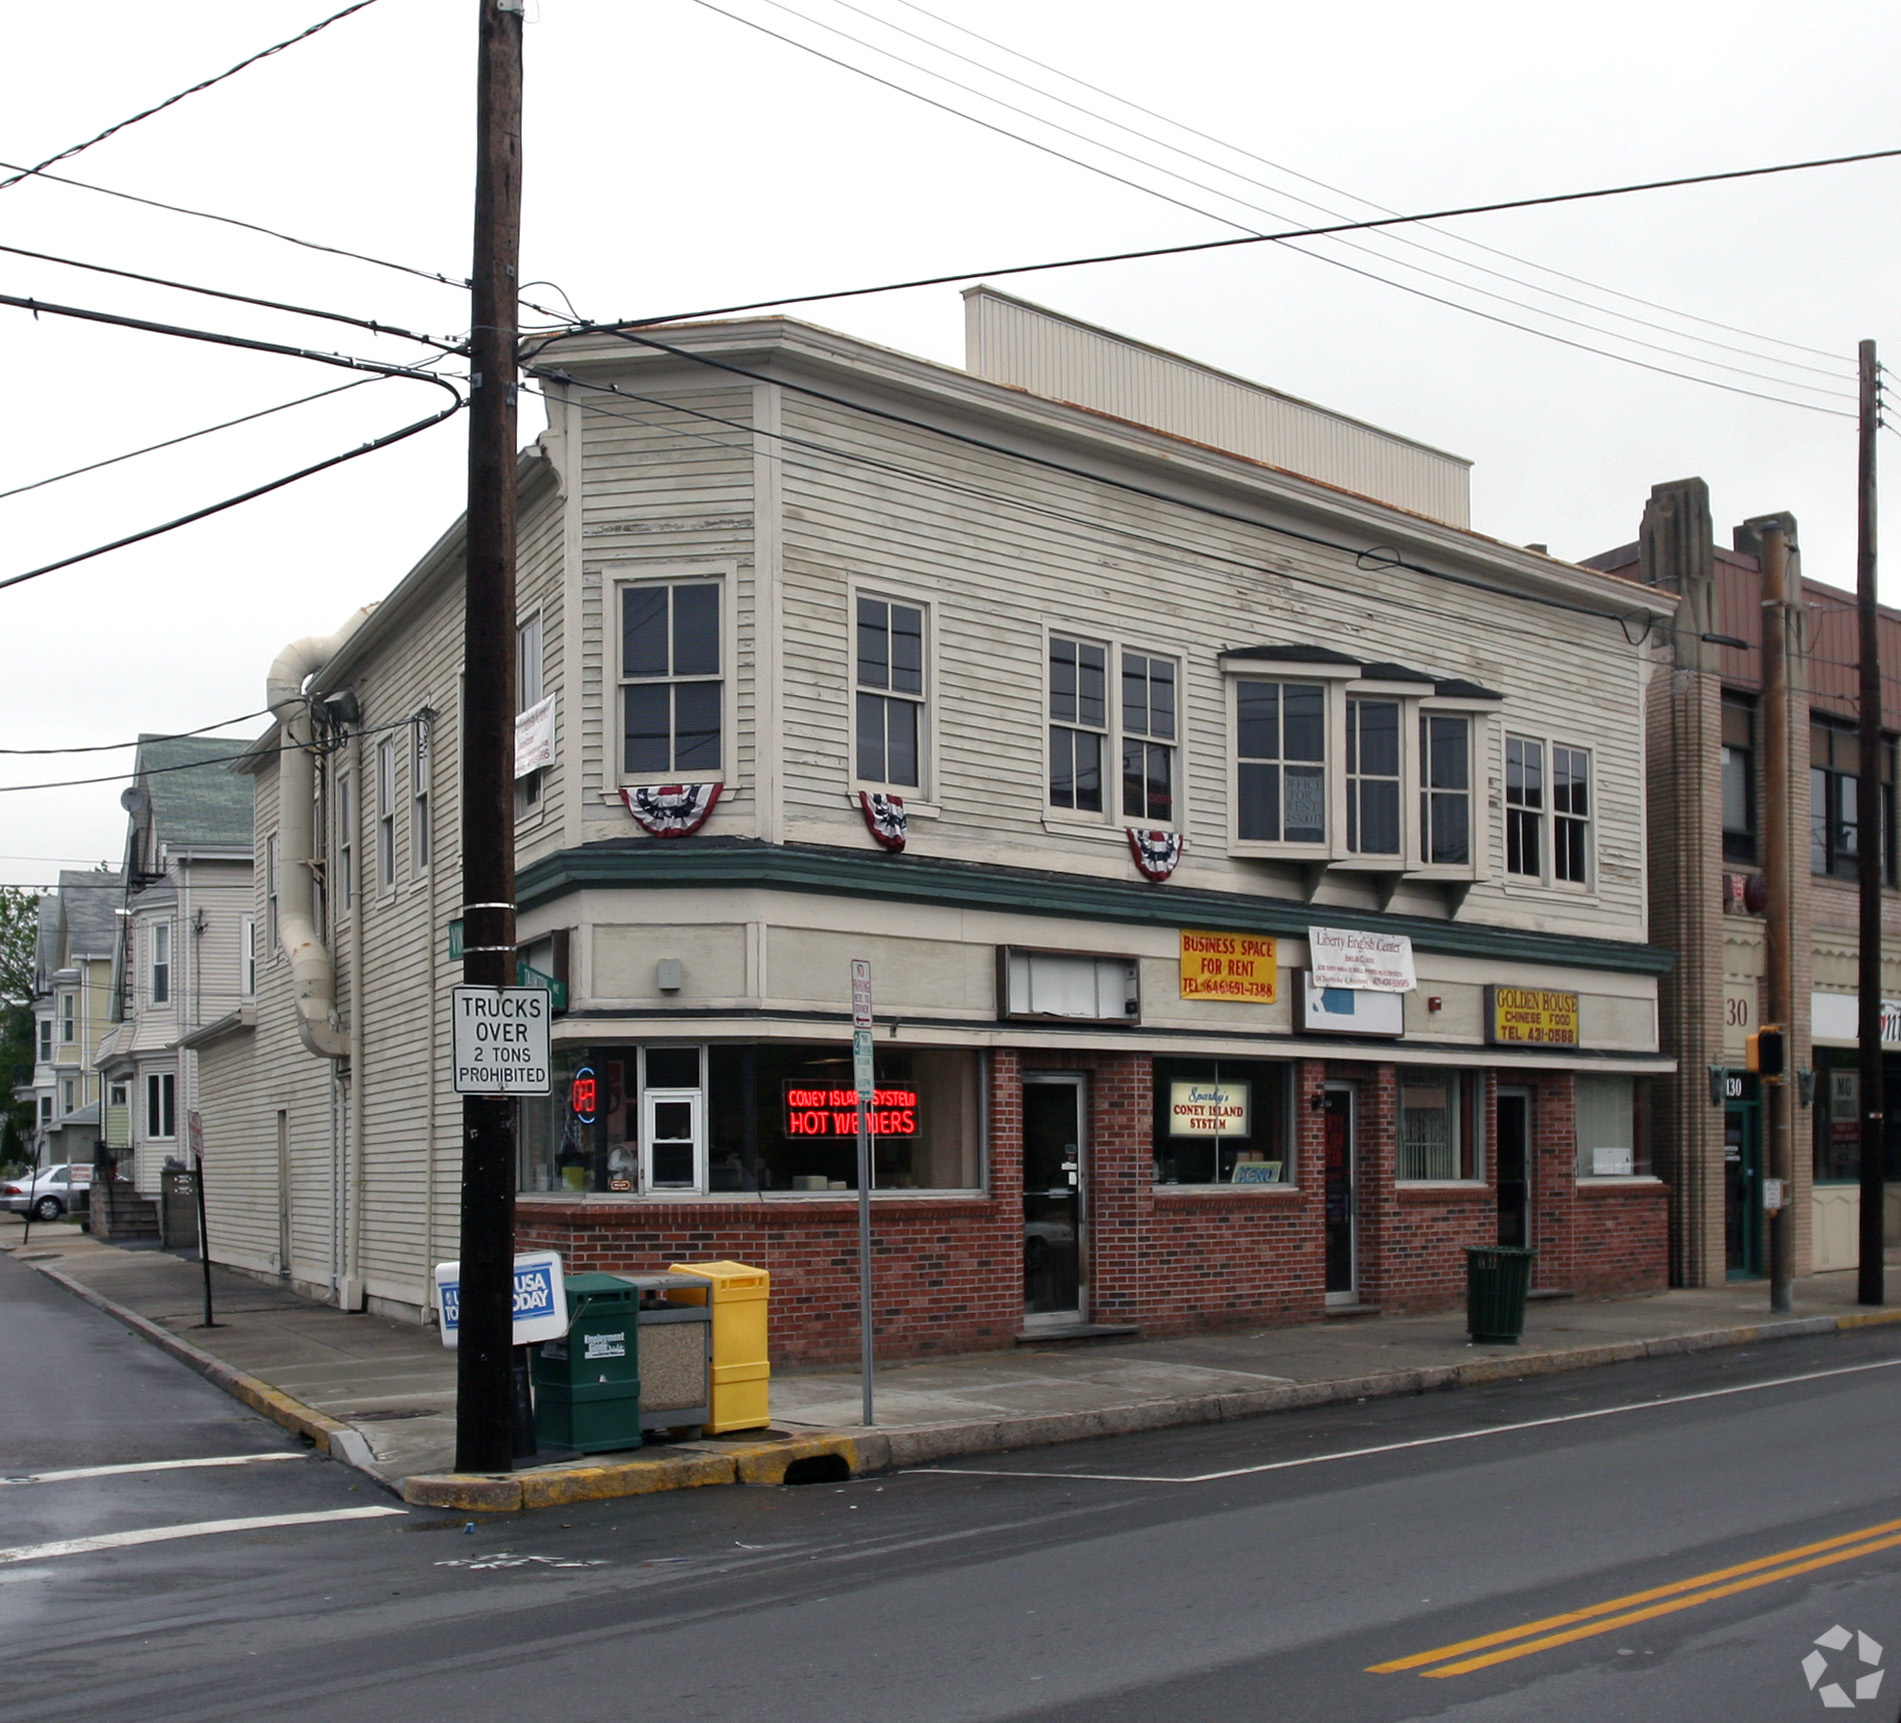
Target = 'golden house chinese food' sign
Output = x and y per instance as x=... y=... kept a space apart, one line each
x=1530 y=1017
x=1239 y=966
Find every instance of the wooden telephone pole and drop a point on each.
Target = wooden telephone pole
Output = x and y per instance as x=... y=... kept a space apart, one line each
x=1779 y=857
x=1873 y=860
x=484 y=1389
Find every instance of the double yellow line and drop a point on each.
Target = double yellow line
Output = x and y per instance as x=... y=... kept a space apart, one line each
x=1554 y=1630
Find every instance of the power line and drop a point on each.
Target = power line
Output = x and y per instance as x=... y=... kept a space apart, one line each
x=1212 y=215
x=370 y=324
x=205 y=84
x=1324 y=185
x=173 y=442
x=1318 y=256
x=136 y=742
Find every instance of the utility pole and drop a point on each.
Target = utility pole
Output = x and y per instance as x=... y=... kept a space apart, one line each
x=1779 y=861
x=1873 y=859
x=485 y=1366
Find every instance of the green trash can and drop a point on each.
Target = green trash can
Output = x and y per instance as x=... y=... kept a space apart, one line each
x=587 y=1384
x=1497 y=1280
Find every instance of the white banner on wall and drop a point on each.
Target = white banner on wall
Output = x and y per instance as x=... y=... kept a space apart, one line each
x=534 y=737
x=1364 y=962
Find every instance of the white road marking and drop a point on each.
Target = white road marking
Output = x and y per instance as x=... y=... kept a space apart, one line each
x=1417 y=1441
x=145 y=1466
x=164 y=1534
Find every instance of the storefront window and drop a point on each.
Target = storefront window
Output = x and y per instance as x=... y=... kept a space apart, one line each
x=1439 y=1124
x=684 y=1119
x=1837 y=1115
x=1611 y=1138
x=1221 y=1122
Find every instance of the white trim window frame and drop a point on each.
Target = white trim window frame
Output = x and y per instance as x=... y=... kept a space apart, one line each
x=343 y=894
x=385 y=816
x=673 y=1125
x=68 y=1021
x=161 y=1109
x=247 y=957
x=1373 y=768
x=272 y=919
x=1149 y=730
x=1449 y=837
x=1076 y=700
x=421 y=834
x=1525 y=809
x=1287 y=730
x=159 y=976
x=46 y=1040
x=1572 y=794
x=671 y=670
x=890 y=646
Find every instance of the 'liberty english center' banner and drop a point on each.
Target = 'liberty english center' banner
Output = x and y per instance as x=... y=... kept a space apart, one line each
x=1364 y=962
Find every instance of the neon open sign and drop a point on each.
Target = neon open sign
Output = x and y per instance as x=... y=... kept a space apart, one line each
x=812 y=1111
x=584 y=1095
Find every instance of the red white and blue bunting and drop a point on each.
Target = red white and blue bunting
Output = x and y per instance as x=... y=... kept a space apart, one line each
x=1156 y=853
x=885 y=818
x=671 y=810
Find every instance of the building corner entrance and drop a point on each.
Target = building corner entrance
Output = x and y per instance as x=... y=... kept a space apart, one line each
x=1054 y=1117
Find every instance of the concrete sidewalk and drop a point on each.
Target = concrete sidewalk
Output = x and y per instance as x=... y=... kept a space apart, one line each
x=381 y=1394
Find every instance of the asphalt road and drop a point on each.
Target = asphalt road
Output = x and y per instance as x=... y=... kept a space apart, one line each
x=1683 y=1531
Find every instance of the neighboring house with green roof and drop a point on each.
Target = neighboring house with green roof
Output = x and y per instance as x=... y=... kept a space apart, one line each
x=187 y=952
x=72 y=1008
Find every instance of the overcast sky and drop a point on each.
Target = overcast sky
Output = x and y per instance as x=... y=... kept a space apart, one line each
x=677 y=159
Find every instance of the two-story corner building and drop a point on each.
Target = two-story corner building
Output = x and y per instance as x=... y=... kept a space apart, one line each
x=1710 y=833
x=187 y=954
x=72 y=1009
x=1099 y=700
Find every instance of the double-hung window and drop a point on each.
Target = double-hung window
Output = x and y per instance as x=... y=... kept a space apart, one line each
x=420 y=836
x=345 y=892
x=247 y=957
x=528 y=694
x=46 y=1040
x=1739 y=781
x=1372 y=774
x=889 y=654
x=1281 y=771
x=161 y=962
x=1524 y=807
x=161 y=1120
x=386 y=814
x=68 y=1021
x=270 y=896
x=1835 y=822
x=1079 y=723
x=671 y=692
x=1148 y=738
x=1570 y=814
x=1445 y=789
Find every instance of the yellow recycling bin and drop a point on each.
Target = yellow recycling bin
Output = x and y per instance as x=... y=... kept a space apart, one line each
x=742 y=1371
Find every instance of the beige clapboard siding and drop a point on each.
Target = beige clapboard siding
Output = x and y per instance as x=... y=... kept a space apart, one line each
x=996 y=575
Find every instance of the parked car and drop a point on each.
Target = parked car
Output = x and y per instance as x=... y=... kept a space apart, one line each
x=55 y=1191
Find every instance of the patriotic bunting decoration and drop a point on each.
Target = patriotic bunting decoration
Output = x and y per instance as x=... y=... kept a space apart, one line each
x=1156 y=853
x=885 y=818
x=671 y=810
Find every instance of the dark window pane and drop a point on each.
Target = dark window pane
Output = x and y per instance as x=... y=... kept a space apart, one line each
x=1063 y=680
x=1259 y=787
x=672 y=1165
x=1306 y=732
x=1091 y=689
x=1379 y=818
x=643 y=631
x=1306 y=817
x=871 y=738
x=1161 y=699
x=1088 y=772
x=696 y=726
x=673 y=1068
x=649 y=731
x=907 y=649
x=1257 y=720
x=1146 y=788
x=1062 y=768
x=696 y=631
x=672 y=1121
x=874 y=645
x=1378 y=730
x=1448 y=829
x=1448 y=754
x=1135 y=693
x=901 y=742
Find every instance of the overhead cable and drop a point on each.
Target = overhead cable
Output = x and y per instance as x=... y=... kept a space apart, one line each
x=136 y=742
x=203 y=84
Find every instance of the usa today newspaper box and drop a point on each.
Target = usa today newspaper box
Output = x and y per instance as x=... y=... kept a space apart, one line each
x=541 y=1301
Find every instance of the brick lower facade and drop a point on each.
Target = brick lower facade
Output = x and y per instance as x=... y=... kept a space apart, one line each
x=1168 y=1259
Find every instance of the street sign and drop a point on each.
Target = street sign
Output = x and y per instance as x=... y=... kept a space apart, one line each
x=500 y=1042
x=541 y=1298
x=862 y=1078
x=195 y=1135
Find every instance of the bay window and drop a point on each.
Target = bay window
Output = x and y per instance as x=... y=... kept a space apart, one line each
x=1372 y=775
x=1445 y=789
x=1281 y=770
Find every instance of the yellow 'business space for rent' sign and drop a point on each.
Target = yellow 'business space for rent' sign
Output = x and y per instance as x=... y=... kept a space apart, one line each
x=1531 y=1017
x=1236 y=966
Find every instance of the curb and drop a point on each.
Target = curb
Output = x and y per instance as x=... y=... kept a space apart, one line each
x=329 y=1435
x=870 y=1451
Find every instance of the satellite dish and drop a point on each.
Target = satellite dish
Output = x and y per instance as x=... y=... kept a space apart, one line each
x=135 y=799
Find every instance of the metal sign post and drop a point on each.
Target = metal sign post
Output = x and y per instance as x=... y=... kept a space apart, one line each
x=863 y=1077
x=195 y=1136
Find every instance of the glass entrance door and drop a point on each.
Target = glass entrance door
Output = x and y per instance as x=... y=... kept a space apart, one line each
x=1052 y=1196
x=1742 y=1189
x=1514 y=1167
x=1342 y=1244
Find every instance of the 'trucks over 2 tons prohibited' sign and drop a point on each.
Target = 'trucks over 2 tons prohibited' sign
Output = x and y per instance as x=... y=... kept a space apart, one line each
x=501 y=1040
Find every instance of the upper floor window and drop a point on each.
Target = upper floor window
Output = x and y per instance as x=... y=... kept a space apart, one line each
x=1373 y=777
x=421 y=839
x=68 y=1019
x=889 y=656
x=1570 y=814
x=1148 y=738
x=1739 y=781
x=345 y=892
x=161 y=1118
x=66 y=1095
x=46 y=1109
x=270 y=895
x=530 y=666
x=1835 y=823
x=1281 y=771
x=1524 y=807
x=46 y=1040
x=161 y=962
x=1445 y=789
x=671 y=691
x=1079 y=723
x=386 y=814
x=247 y=956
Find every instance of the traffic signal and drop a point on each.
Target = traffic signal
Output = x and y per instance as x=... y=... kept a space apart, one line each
x=1766 y=1051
